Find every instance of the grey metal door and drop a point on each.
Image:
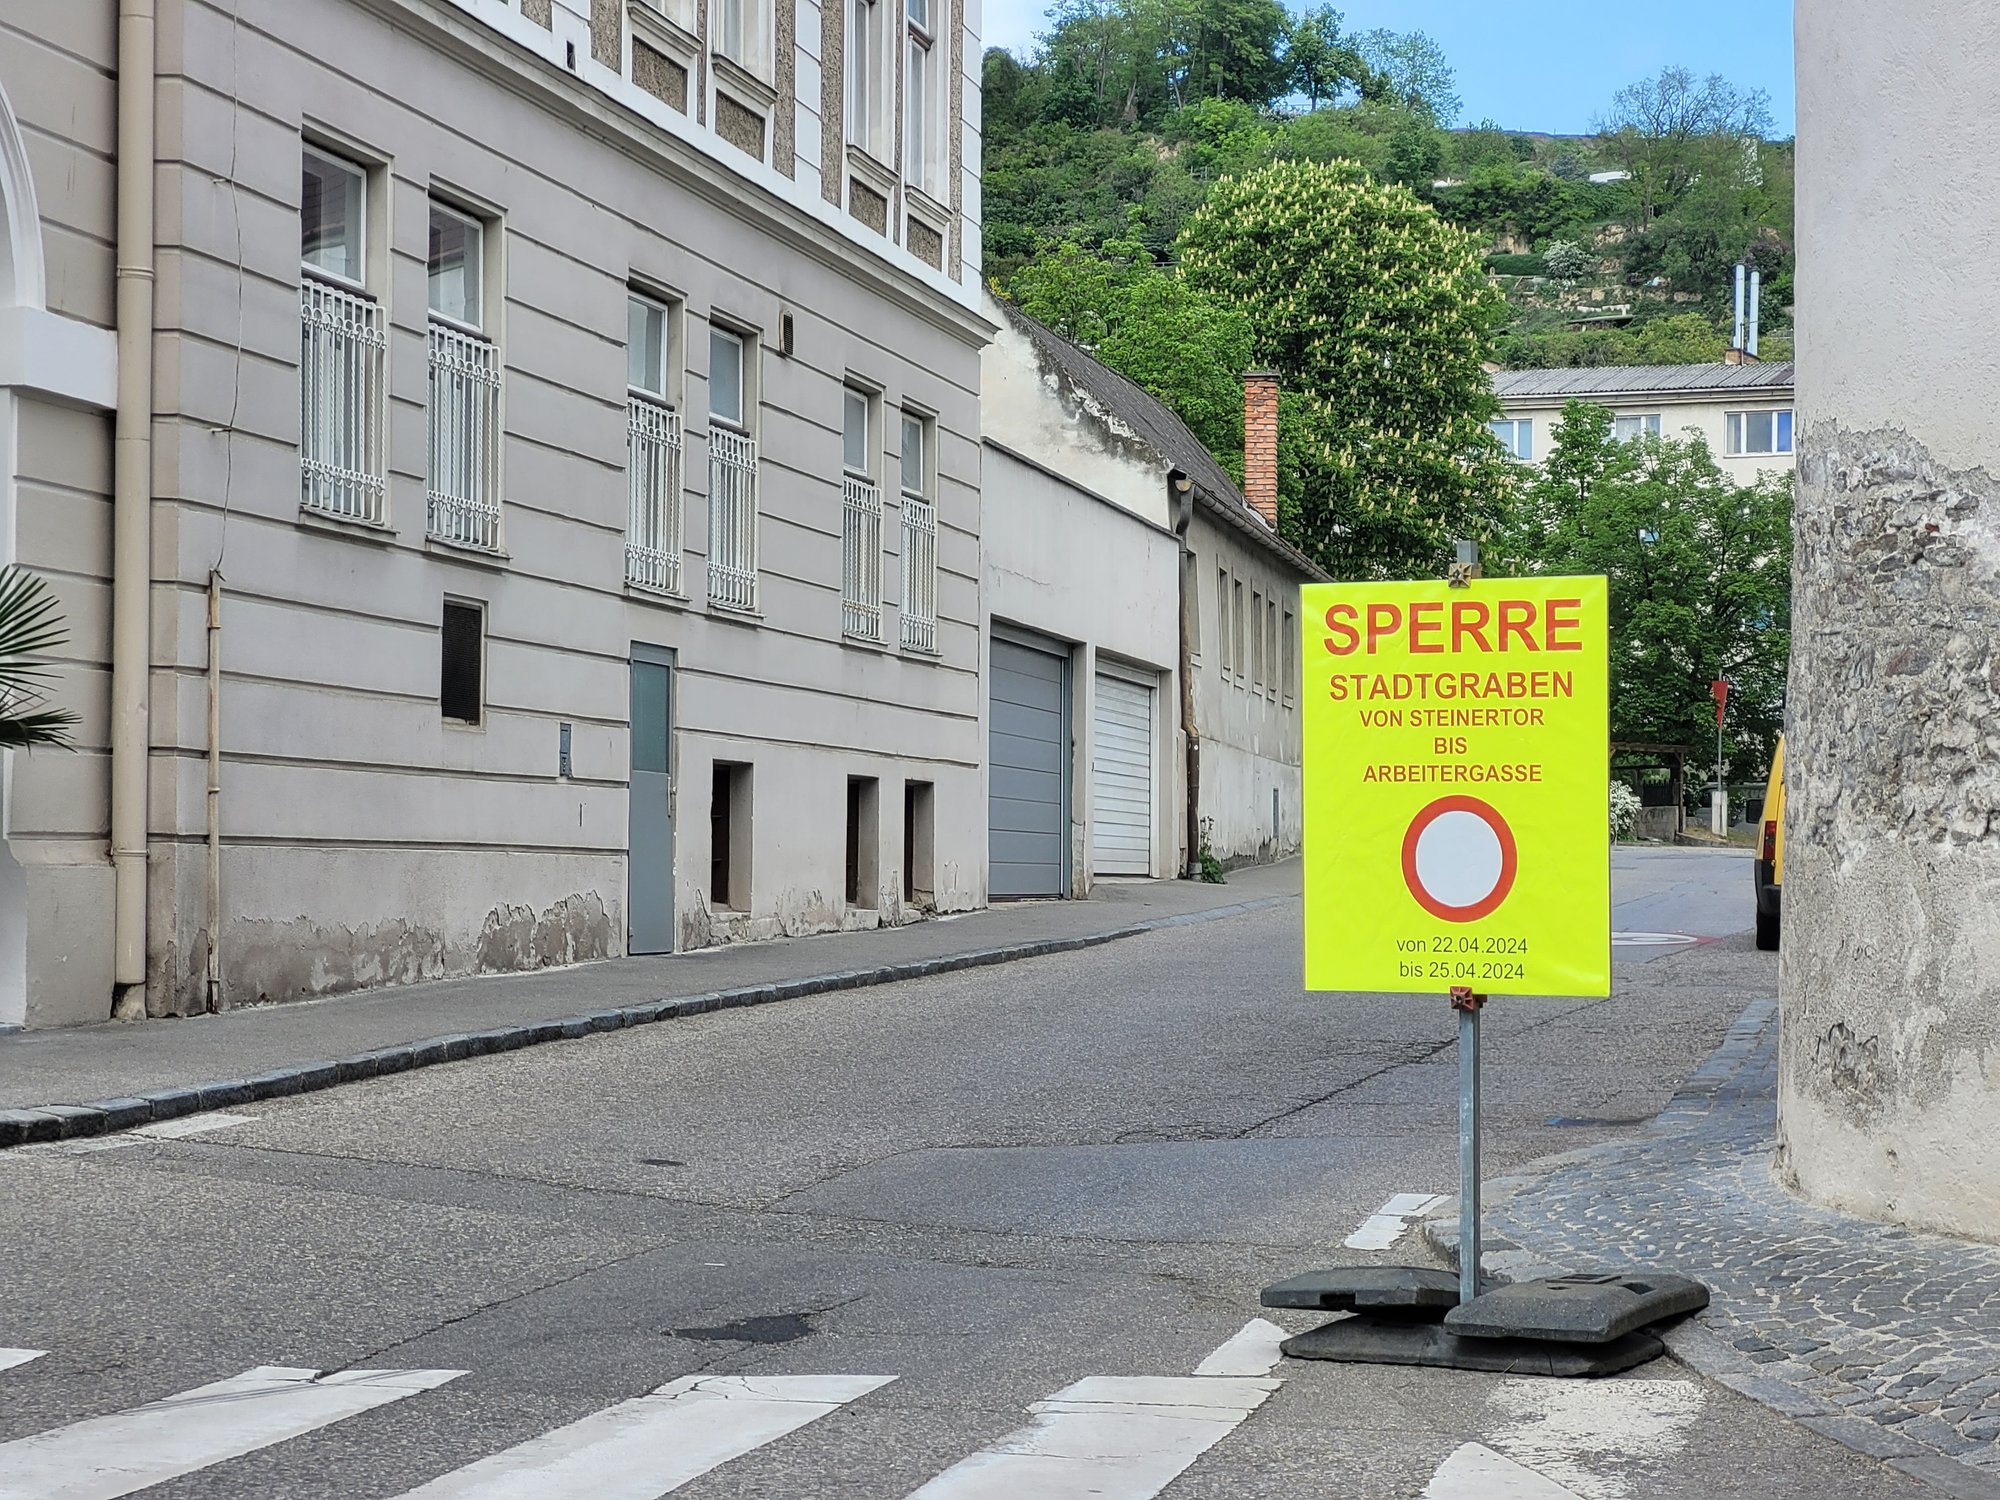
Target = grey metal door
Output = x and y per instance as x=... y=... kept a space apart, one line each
x=1028 y=796
x=649 y=894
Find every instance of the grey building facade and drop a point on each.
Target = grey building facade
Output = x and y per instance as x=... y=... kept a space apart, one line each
x=563 y=449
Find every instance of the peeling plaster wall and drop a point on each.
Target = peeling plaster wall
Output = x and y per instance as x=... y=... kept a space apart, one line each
x=1891 y=963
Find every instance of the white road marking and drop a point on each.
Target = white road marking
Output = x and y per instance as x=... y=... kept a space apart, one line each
x=165 y=1130
x=1651 y=939
x=1388 y=1223
x=1583 y=1432
x=651 y=1446
x=1105 y=1438
x=106 y=1457
x=1254 y=1351
x=1476 y=1472
x=9 y=1358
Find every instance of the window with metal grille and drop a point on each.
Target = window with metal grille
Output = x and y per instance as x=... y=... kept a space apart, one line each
x=464 y=487
x=652 y=451
x=343 y=344
x=732 y=473
x=920 y=534
x=860 y=520
x=462 y=675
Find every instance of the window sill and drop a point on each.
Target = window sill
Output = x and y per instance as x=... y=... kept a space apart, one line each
x=653 y=595
x=361 y=531
x=495 y=558
x=870 y=643
x=871 y=169
x=745 y=80
x=733 y=614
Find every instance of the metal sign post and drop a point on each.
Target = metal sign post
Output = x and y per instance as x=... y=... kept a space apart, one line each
x=1468 y=1005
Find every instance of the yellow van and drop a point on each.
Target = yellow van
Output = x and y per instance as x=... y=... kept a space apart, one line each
x=1770 y=865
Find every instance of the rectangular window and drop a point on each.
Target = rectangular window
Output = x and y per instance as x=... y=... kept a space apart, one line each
x=343 y=349
x=864 y=842
x=860 y=520
x=1517 y=437
x=1225 y=636
x=457 y=252
x=919 y=842
x=1758 y=432
x=1271 y=648
x=1257 y=639
x=653 y=450
x=920 y=533
x=732 y=472
x=333 y=217
x=464 y=489
x=863 y=61
x=1237 y=627
x=729 y=837
x=1626 y=428
x=462 y=676
x=1289 y=684
x=919 y=147
x=729 y=29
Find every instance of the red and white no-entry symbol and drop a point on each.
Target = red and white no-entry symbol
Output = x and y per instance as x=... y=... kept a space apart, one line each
x=1459 y=859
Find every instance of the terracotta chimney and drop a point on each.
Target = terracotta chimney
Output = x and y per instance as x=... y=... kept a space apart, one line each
x=1260 y=444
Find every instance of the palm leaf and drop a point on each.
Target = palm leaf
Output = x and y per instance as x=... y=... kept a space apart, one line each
x=30 y=625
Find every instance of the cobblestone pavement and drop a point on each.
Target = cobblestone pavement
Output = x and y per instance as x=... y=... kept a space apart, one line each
x=1884 y=1339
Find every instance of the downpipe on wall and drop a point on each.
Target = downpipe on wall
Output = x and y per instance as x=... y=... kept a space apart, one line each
x=214 y=995
x=1180 y=495
x=132 y=506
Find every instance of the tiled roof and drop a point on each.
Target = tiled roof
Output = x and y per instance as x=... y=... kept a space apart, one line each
x=1633 y=380
x=1155 y=425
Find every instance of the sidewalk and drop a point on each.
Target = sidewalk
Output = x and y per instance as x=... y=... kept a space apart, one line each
x=1885 y=1339
x=94 y=1079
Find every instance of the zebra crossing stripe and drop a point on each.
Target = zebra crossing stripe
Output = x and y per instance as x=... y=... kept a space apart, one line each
x=1106 y=1438
x=9 y=1358
x=105 y=1457
x=1476 y=1472
x=651 y=1446
x=1253 y=1351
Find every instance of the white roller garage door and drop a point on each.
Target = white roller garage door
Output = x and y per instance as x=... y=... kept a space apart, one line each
x=1121 y=780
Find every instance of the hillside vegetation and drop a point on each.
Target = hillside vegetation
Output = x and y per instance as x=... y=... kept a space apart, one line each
x=1116 y=131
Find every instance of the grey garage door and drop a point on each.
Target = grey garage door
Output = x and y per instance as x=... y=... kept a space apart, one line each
x=1028 y=802
x=1121 y=778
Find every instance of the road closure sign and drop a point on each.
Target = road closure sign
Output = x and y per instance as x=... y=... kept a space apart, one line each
x=1457 y=756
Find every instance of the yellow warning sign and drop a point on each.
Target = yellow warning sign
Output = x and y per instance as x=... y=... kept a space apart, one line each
x=1457 y=754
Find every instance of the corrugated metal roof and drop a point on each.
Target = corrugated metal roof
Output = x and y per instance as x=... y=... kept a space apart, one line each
x=1633 y=380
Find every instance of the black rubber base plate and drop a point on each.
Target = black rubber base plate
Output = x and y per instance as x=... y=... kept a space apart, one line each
x=1364 y=1341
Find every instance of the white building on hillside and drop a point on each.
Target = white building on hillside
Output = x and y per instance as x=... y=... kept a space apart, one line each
x=1744 y=412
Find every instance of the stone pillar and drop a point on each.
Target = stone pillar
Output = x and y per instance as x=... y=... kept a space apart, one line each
x=1890 y=1075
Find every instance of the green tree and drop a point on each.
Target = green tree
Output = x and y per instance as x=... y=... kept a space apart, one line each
x=1377 y=315
x=1325 y=62
x=1700 y=575
x=1411 y=68
x=1676 y=131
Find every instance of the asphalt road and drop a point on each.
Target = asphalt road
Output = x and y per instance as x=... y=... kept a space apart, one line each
x=867 y=1233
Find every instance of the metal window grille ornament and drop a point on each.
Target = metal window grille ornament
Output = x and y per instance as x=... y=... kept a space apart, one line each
x=732 y=519
x=464 y=492
x=919 y=574
x=653 y=475
x=343 y=344
x=861 y=559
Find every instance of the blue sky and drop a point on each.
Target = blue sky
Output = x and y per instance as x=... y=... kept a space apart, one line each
x=1553 y=64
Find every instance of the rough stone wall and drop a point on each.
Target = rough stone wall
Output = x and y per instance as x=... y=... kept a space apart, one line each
x=832 y=101
x=785 y=116
x=1890 y=965
x=1891 y=1051
x=743 y=128
x=659 y=75
x=607 y=32
x=538 y=11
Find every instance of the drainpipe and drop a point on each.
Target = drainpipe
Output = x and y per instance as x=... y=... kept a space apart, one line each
x=1180 y=491
x=132 y=504
x=214 y=790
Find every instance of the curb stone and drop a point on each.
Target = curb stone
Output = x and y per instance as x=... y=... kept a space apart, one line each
x=65 y=1122
x=1692 y=1343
